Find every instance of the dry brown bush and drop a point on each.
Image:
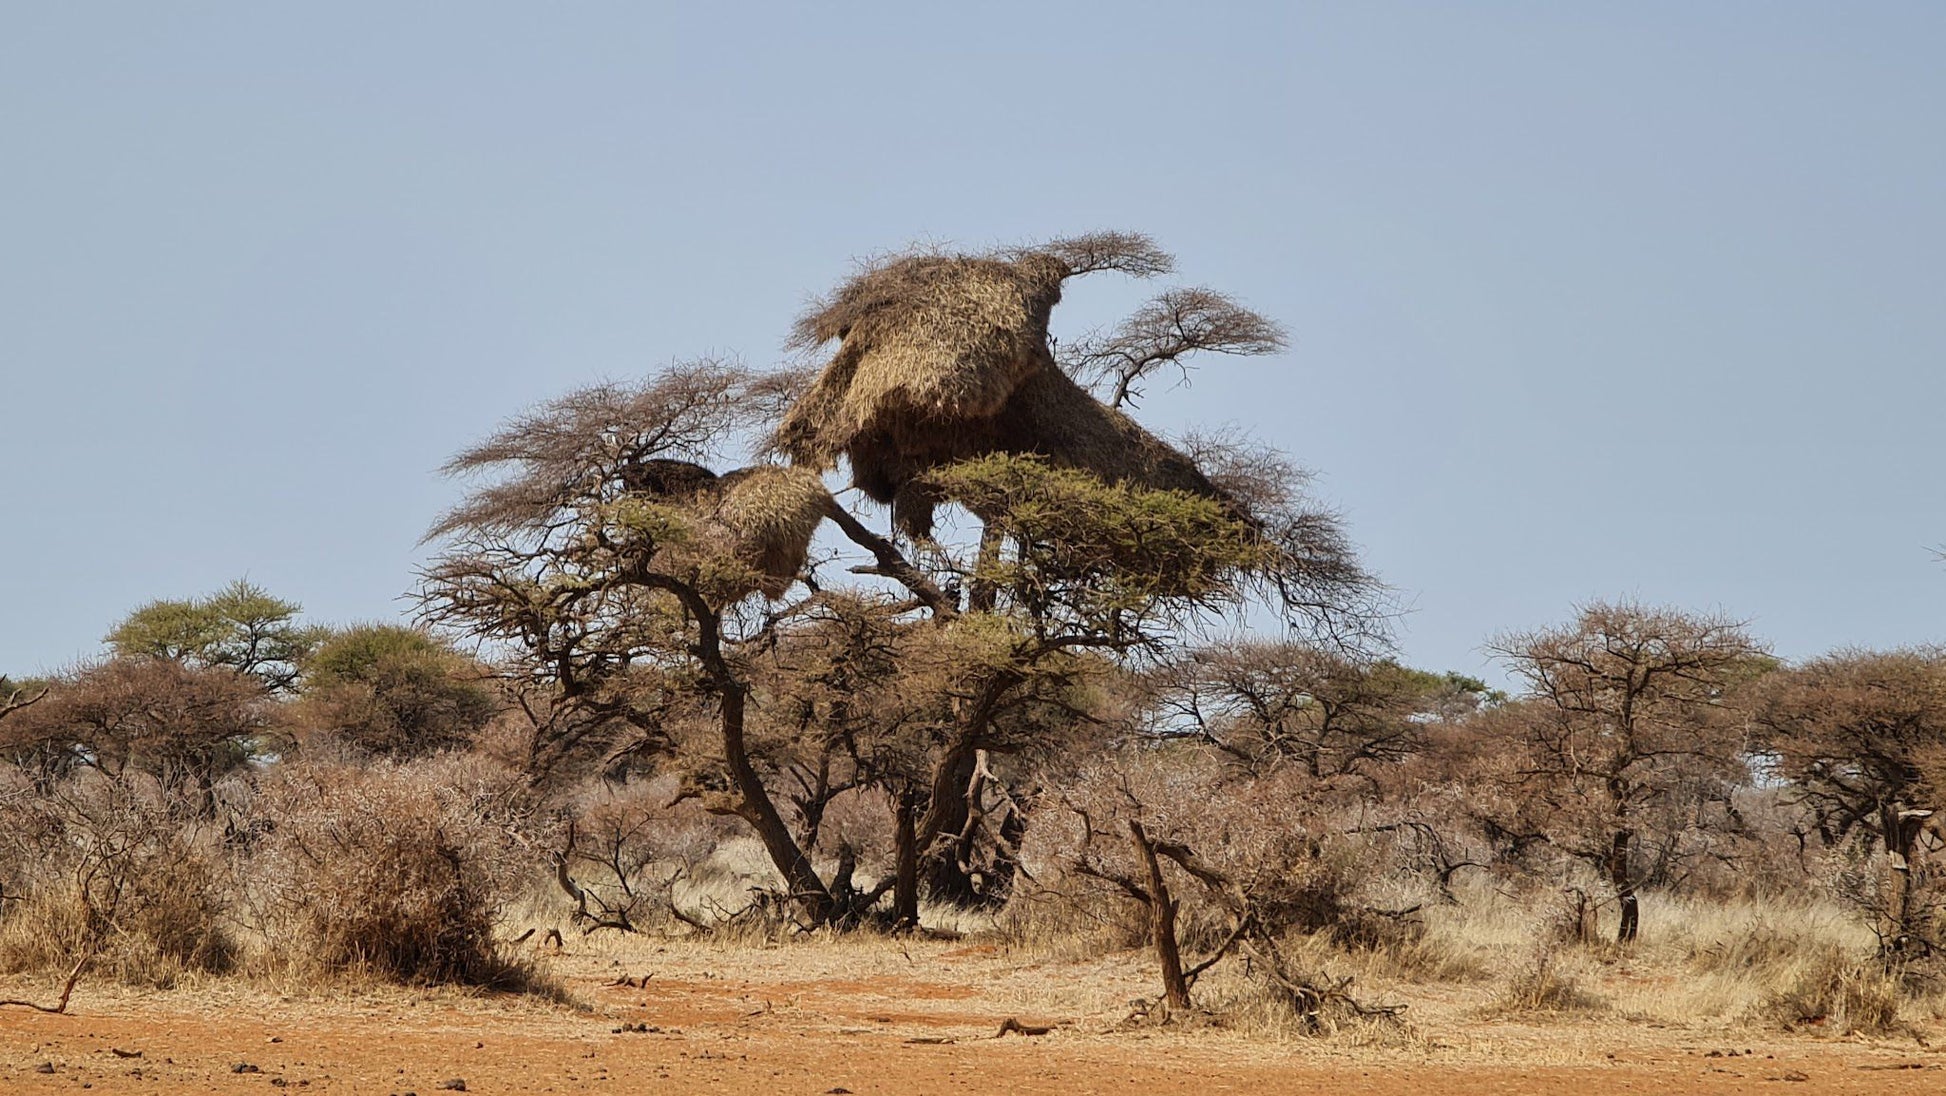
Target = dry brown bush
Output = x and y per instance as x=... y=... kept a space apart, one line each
x=624 y=852
x=1283 y=836
x=184 y=725
x=1219 y=861
x=116 y=870
x=394 y=870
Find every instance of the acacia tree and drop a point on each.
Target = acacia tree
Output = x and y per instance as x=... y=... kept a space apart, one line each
x=610 y=599
x=184 y=725
x=1629 y=727
x=1330 y=712
x=1081 y=574
x=944 y=362
x=855 y=697
x=620 y=566
x=606 y=586
x=1862 y=736
x=242 y=627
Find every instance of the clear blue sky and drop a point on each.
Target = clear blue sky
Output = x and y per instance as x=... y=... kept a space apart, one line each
x=1586 y=300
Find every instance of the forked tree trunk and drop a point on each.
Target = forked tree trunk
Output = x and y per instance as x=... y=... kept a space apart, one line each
x=975 y=798
x=1162 y=922
x=753 y=802
x=1624 y=884
x=946 y=816
x=942 y=828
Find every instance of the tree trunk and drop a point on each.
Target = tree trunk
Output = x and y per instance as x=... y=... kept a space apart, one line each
x=946 y=813
x=754 y=804
x=846 y=901
x=1624 y=884
x=1901 y=827
x=969 y=831
x=905 y=889
x=1162 y=922
x=947 y=808
x=755 y=807
x=983 y=596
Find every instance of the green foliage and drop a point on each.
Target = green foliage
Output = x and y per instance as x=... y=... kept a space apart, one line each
x=240 y=626
x=1451 y=691
x=176 y=630
x=397 y=692
x=649 y=521
x=360 y=653
x=1467 y=683
x=1127 y=546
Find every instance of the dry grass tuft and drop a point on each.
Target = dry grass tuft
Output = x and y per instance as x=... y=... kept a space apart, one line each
x=110 y=872
x=1834 y=992
x=1546 y=984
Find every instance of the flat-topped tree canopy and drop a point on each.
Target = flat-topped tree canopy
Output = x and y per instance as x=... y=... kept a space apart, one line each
x=944 y=357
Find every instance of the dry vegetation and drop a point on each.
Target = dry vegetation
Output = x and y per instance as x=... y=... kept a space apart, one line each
x=649 y=718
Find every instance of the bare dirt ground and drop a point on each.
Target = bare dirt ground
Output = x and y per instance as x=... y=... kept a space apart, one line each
x=870 y=1017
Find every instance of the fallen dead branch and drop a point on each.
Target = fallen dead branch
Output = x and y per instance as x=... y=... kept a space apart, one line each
x=67 y=991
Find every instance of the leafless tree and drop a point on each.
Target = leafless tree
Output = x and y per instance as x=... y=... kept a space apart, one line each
x=1167 y=330
x=1265 y=702
x=1188 y=837
x=1630 y=720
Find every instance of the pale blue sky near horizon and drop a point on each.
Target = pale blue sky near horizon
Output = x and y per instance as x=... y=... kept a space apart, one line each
x=1585 y=300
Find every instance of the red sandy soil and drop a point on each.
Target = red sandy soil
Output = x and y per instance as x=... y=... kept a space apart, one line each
x=765 y=1030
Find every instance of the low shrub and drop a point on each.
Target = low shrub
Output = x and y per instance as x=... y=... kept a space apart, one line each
x=120 y=873
x=394 y=870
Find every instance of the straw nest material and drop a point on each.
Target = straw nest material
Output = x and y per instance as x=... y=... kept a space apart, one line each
x=943 y=358
x=762 y=517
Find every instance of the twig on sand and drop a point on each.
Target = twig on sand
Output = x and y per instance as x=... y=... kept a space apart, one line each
x=67 y=991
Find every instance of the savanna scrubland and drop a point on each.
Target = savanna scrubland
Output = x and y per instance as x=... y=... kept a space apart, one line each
x=1052 y=720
